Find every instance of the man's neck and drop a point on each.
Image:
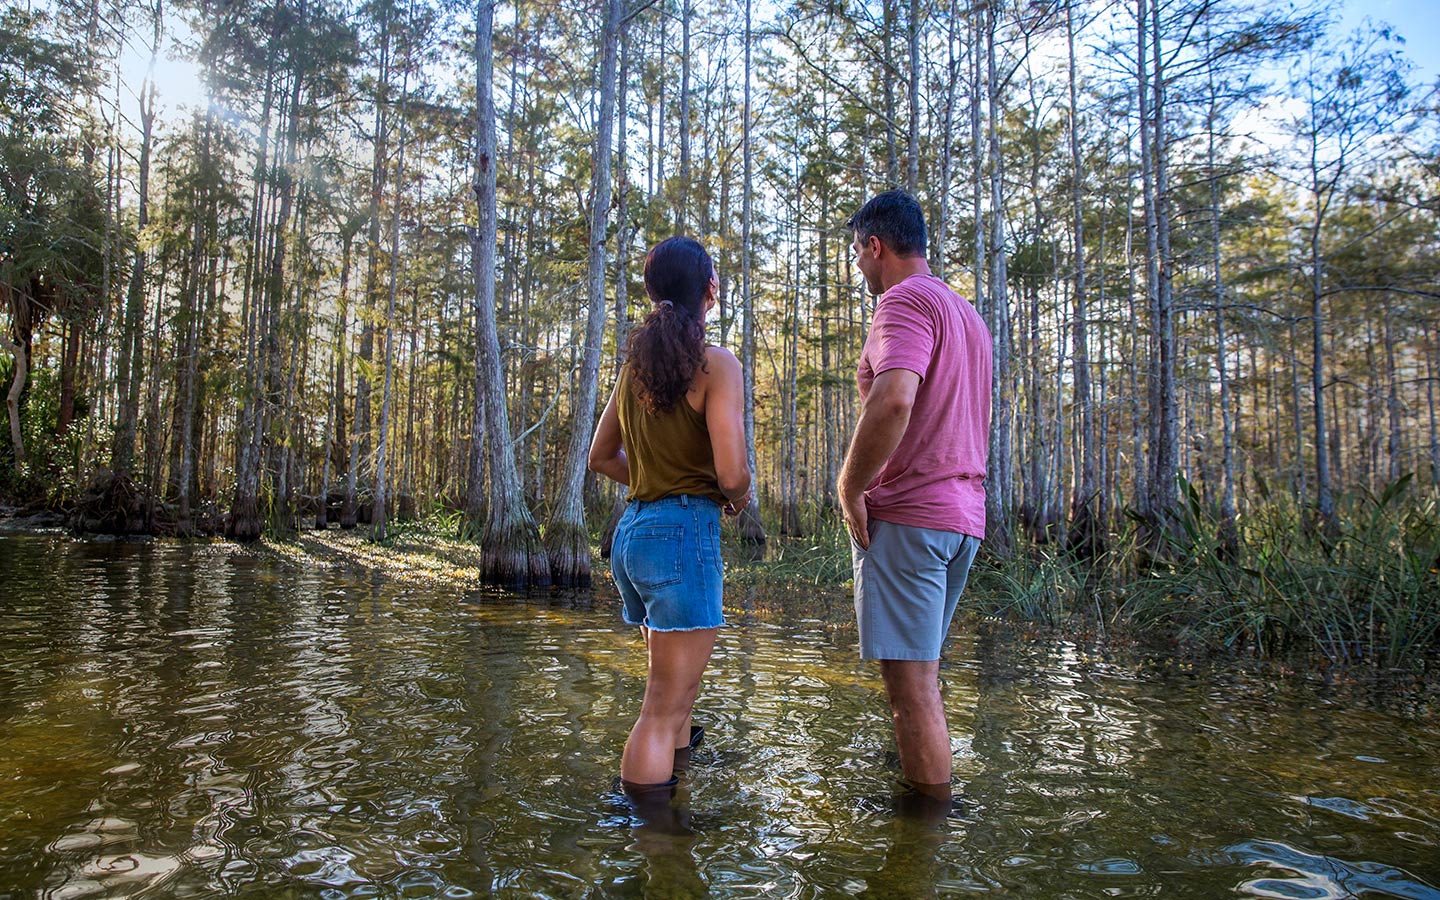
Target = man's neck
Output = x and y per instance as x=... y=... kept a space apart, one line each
x=901 y=268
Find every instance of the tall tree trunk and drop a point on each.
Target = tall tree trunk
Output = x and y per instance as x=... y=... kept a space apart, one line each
x=1163 y=484
x=200 y=301
x=999 y=480
x=1365 y=401
x=360 y=442
x=1152 y=268
x=263 y=282
x=1104 y=485
x=1036 y=447
x=912 y=155
x=12 y=401
x=1394 y=445
x=1430 y=376
x=511 y=550
x=337 y=381
x=567 y=538
x=1131 y=342
x=662 y=47
x=122 y=453
x=622 y=251
x=789 y=458
x=751 y=529
x=107 y=274
x=407 y=498
x=69 y=363
x=830 y=434
x=185 y=303
x=153 y=480
x=1229 y=537
x=1083 y=530
x=947 y=144
x=887 y=68
x=683 y=195
x=1301 y=481
x=1325 y=503
x=977 y=174
x=207 y=429
x=382 y=459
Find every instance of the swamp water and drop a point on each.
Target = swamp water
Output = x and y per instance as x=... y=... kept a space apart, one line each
x=196 y=720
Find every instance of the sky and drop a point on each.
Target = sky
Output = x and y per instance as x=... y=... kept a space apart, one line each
x=1416 y=21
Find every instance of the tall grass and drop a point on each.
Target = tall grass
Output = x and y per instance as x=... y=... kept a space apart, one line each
x=819 y=557
x=1368 y=595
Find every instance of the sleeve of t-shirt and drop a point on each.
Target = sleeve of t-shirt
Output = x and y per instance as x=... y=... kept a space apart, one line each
x=902 y=336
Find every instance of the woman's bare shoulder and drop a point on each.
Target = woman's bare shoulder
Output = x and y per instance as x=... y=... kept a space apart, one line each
x=718 y=360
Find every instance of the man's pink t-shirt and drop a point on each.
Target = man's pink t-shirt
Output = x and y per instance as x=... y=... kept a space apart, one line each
x=936 y=476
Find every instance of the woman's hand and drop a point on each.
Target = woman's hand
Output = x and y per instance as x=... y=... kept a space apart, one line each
x=736 y=507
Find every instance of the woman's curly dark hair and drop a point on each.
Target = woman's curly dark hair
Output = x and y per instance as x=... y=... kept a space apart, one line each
x=668 y=347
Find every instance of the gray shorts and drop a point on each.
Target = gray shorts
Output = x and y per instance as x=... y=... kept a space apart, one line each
x=907 y=585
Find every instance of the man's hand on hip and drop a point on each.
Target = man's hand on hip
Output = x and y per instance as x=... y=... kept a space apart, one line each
x=857 y=517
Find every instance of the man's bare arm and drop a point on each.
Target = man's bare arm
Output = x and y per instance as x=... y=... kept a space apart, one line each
x=883 y=420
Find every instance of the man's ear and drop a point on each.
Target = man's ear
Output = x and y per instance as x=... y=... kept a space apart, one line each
x=874 y=245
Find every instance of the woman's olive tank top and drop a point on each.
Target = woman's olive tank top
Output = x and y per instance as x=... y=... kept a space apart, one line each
x=668 y=454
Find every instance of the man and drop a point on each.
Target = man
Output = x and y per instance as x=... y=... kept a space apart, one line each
x=913 y=484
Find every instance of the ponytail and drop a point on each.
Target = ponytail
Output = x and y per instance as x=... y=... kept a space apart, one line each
x=665 y=352
x=667 y=349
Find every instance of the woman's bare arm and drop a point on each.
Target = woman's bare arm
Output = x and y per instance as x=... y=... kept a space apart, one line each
x=607 y=456
x=724 y=416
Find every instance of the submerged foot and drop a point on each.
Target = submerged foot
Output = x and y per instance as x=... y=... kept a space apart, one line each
x=653 y=805
x=927 y=803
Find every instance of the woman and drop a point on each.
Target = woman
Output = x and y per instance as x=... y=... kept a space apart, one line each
x=674 y=433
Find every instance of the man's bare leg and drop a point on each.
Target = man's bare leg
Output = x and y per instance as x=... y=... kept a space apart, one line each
x=921 y=734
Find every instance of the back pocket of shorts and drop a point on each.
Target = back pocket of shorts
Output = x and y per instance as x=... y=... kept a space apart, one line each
x=653 y=556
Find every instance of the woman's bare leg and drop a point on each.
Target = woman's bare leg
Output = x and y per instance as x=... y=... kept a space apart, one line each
x=677 y=660
x=682 y=740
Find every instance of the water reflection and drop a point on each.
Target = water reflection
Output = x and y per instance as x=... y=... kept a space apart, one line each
x=195 y=720
x=661 y=821
x=1319 y=877
x=920 y=824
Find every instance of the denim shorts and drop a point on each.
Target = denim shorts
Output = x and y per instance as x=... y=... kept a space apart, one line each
x=666 y=563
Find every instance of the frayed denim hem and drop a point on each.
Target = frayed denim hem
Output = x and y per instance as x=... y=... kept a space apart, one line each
x=723 y=624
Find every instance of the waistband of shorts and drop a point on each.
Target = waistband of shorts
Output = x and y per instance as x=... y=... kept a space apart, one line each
x=684 y=501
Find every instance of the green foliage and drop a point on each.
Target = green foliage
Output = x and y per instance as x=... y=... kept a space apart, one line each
x=1371 y=596
x=1040 y=587
x=1032 y=264
x=47 y=478
x=819 y=558
x=48 y=207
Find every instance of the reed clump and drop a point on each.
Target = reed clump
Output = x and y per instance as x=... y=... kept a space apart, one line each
x=1276 y=585
x=809 y=547
x=1366 y=593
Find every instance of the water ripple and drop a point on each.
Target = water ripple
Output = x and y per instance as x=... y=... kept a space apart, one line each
x=195 y=720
